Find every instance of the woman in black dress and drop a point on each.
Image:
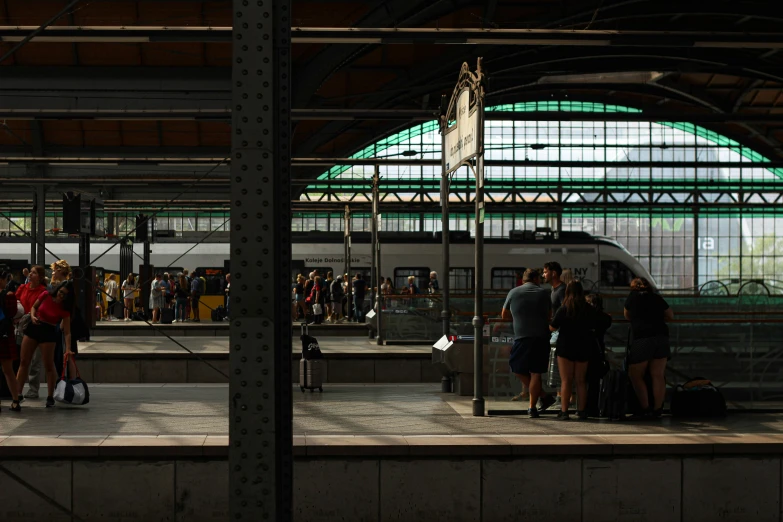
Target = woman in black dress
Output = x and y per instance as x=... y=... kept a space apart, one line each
x=576 y=321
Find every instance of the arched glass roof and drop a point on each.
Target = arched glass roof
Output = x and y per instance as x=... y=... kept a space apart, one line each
x=573 y=141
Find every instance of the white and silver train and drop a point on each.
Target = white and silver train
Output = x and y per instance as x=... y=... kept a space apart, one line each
x=601 y=262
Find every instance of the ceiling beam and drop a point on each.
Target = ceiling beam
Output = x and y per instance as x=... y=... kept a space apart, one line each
x=407 y=35
x=411 y=115
x=191 y=162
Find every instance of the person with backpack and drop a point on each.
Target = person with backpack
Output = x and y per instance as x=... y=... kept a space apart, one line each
x=648 y=313
x=576 y=321
x=196 y=289
x=337 y=294
x=359 y=291
x=157 y=297
x=9 y=352
x=181 y=296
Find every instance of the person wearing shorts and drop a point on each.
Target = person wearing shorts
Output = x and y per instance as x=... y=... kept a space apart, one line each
x=529 y=306
x=649 y=348
x=50 y=310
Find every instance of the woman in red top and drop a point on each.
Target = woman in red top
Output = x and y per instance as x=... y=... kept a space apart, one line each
x=29 y=292
x=49 y=309
x=8 y=350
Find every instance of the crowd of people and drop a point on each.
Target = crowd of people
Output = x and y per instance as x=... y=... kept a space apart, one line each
x=317 y=300
x=181 y=292
x=576 y=324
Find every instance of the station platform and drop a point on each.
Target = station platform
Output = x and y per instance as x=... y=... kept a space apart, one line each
x=211 y=329
x=142 y=359
x=387 y=452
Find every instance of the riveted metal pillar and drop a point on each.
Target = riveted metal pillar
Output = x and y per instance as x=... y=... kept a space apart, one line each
x=40 y=232
x=260 y=421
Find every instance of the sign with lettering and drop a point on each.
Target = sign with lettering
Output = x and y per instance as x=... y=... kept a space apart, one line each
x=461 y=139
x=317 y=261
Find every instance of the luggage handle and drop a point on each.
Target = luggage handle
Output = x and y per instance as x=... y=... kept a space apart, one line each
x=65 y=365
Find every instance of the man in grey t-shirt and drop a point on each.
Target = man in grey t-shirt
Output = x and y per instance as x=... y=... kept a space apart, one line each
x=529 y=307
x=552 y=273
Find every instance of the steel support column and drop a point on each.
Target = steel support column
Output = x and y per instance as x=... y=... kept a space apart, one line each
x=696 y=245
x=34 y=228
x=260 y=418
x=445 y=314
x=347 y=246
x=40 y=233
x=375 y=273
x=478 y=318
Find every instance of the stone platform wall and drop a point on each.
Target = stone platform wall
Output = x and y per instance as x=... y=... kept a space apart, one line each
x=350 y=480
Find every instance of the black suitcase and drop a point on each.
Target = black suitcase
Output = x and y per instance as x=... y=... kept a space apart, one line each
x=613 y=397
x=312 y=365
x=166 y=315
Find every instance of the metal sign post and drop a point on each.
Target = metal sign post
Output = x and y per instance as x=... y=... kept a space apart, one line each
x=445 y=314
x=463 y=142
x=373 y=245
x=349 y=290
x=376 y=253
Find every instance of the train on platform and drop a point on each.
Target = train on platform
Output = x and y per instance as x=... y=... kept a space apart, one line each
x=601 y=262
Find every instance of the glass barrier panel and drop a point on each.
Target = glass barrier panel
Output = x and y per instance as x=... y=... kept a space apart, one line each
x=502 y=385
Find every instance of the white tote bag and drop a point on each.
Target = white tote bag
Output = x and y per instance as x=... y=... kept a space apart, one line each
x=317 y=309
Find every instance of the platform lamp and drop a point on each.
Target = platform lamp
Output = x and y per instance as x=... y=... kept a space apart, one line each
x=376 y=280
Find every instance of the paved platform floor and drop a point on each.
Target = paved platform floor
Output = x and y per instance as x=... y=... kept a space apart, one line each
x=162 y=345
x=416 y=409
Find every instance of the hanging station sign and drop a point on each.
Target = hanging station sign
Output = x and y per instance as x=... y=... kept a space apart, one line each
x=461 y=140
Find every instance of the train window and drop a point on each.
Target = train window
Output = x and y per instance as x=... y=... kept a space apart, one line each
x=506 y=278
x=461 y=279
x=615 y=273
x=422 y=275
x=215 y=278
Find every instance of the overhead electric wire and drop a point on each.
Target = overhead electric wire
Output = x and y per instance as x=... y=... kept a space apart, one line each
x=40 y=29
x=172 y=200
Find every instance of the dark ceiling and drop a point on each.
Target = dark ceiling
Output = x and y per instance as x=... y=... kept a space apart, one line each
x=196 y=76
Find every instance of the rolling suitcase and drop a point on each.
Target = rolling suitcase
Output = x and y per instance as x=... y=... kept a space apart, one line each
x=311 y=365
x=166 y=315
x=613 y=397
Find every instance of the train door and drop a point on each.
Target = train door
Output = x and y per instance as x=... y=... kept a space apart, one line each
x=214 y=294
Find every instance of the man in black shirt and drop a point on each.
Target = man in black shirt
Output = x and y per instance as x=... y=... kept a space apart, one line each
x=359 y=289
x=552 y=273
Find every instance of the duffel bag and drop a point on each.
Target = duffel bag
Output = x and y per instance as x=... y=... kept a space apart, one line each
x=698 y=398
x=71 y=391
